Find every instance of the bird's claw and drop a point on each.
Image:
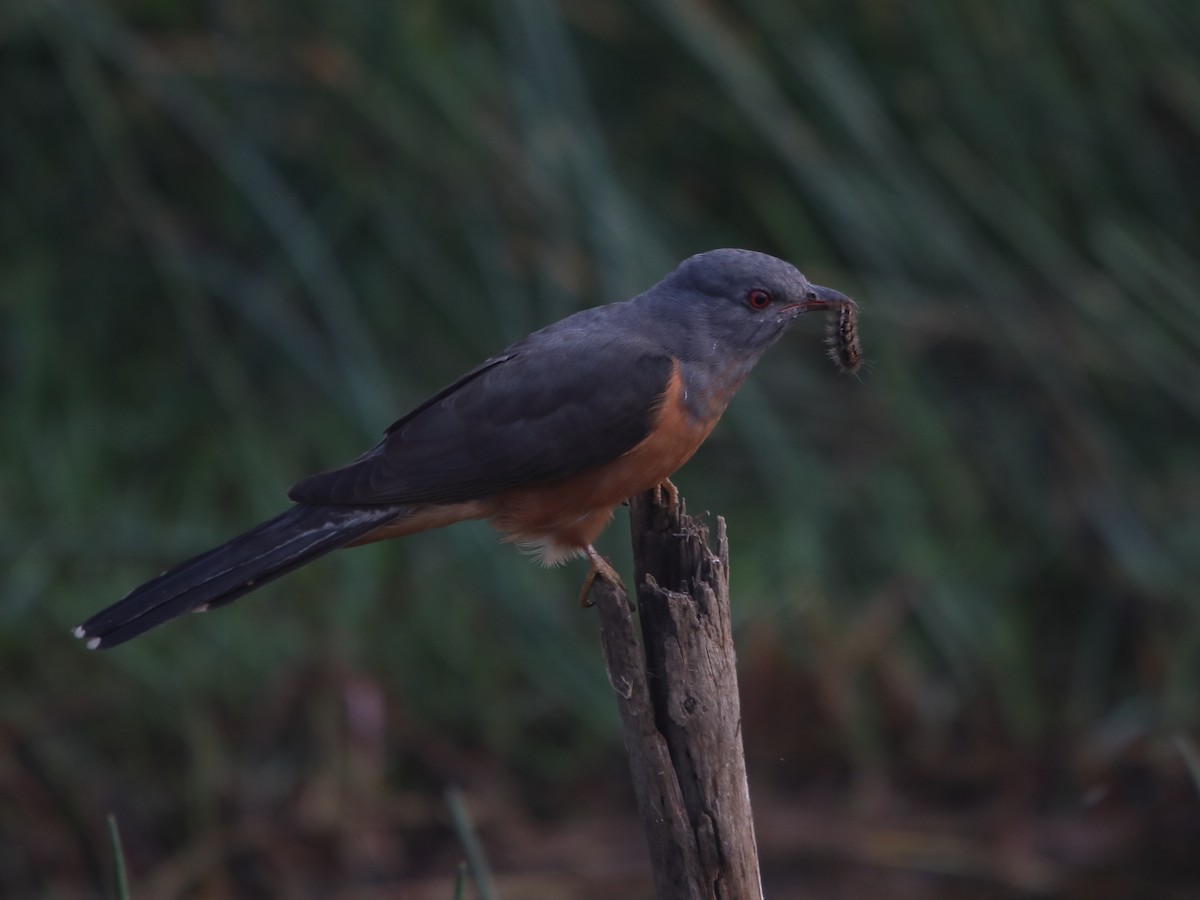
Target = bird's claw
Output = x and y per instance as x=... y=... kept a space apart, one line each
x=667 y=488
x=600 y=568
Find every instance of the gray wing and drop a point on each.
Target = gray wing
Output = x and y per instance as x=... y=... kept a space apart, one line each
x=564 y=400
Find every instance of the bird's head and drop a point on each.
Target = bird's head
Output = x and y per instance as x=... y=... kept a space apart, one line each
x=739 y=301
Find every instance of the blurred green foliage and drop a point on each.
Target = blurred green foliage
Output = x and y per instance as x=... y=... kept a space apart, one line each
x=237 y=240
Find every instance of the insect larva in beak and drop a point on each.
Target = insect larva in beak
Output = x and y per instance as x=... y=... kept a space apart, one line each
x=842 y=337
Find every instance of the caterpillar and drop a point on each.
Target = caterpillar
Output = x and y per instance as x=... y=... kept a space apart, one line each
x=842 y=337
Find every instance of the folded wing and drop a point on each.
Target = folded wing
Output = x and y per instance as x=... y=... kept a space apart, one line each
x=558 y=403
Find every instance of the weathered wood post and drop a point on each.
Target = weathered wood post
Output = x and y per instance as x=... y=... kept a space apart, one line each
x=678 y=699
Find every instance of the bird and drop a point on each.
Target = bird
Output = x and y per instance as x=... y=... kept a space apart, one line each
x=544 y=439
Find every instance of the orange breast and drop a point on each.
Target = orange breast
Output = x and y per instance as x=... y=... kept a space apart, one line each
x=560 y=518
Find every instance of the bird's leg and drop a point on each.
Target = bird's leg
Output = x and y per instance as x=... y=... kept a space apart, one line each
x=600 y=568
x=666 y=487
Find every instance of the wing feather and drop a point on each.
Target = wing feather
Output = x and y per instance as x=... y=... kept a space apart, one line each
x=565 y=399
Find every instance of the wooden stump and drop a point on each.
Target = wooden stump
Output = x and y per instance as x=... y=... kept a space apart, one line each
x=678 y=700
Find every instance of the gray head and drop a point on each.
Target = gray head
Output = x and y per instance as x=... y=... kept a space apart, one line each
x=735 y=301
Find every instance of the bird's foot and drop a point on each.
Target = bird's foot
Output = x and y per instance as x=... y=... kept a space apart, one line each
x=600 y=568
x=666 y=491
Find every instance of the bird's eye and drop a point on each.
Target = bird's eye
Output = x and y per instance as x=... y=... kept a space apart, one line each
x=758 y=299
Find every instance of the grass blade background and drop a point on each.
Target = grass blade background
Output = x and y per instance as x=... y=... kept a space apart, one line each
x=235 y=243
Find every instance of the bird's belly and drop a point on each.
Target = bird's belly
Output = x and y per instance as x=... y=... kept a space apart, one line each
x=559 y=519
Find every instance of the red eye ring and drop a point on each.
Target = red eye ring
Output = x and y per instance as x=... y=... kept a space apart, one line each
x=758 y=299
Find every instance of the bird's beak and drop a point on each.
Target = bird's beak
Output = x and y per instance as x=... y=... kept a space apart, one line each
x=818 y=299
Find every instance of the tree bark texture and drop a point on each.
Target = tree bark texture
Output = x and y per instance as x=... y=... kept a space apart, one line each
x=678 y=700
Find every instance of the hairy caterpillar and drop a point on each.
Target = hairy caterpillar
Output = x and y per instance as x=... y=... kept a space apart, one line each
x=842 y=337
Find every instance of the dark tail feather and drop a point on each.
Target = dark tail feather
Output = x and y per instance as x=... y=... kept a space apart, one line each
x=225 y=573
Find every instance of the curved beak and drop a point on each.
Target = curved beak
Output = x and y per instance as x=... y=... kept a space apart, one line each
x=818 y=299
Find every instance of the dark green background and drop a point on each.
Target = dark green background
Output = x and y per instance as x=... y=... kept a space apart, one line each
x=238 y=239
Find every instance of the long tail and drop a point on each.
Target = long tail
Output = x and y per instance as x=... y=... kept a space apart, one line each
x=223 y=574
